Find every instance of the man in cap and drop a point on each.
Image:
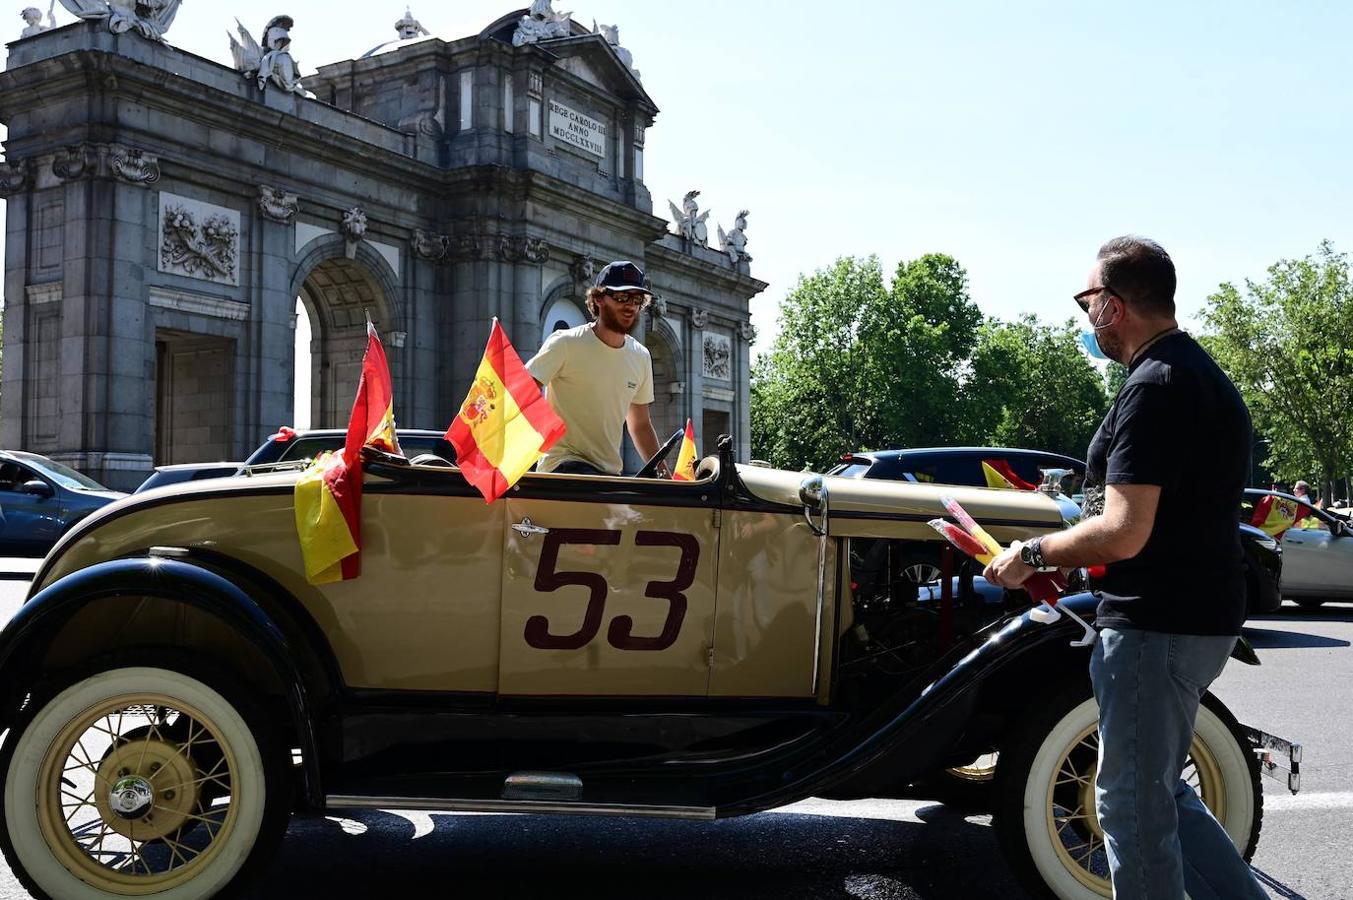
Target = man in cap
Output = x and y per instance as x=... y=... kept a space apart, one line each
x=598 y=378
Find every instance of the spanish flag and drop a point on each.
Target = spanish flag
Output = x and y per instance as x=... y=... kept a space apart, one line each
x=505 y=423
x=685 y=464
x=1000 y=475
x=1274 y=515
x=328 y=494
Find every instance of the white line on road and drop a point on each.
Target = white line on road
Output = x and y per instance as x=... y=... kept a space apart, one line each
x=1326 y=800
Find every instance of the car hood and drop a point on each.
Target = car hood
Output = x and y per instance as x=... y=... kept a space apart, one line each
x=862 y=507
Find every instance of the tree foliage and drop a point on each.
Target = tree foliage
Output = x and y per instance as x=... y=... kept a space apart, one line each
x=1287 y=343
x=1032 y=387
x=861 y=364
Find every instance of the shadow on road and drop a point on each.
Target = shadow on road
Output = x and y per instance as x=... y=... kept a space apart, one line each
x=1277 y=639
x=770 y=855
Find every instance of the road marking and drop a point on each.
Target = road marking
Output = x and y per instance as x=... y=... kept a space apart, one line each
x=1326 y=800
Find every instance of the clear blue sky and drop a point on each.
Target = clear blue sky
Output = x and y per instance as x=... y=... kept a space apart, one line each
x=1016 y=137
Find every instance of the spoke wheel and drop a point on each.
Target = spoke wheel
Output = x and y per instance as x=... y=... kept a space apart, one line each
x=1046 y=821
x=137 y=782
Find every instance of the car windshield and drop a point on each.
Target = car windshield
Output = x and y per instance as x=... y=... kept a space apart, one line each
x=62 y=475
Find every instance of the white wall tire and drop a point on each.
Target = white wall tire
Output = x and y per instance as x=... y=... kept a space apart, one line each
x=1032 y=827
x=49 y=821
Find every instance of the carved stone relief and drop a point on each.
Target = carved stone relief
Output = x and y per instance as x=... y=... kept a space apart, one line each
x=13 y=176
x=73 y=162
x=747 y=331
x=519 y=248
x=277 y=204
x=583 y=270
x=699 y=318
x=353 y=229
x=429 y=246
x=199 y=240
x=718 y=356
x=90 y=160
x=133 y=166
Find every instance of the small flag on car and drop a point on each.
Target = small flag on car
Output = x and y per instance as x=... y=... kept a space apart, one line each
x=505 y=423
x=685 y=464
x=1000 y=474
x=328 y=495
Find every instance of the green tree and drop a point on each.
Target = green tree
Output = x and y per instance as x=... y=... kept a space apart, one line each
x=1287 y=343
x=1030 y=386
x=859 y=364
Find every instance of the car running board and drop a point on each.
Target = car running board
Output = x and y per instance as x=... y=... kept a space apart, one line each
x=528 y=807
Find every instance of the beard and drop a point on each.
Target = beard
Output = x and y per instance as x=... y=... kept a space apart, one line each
x=611 y=321
x=1112 y=345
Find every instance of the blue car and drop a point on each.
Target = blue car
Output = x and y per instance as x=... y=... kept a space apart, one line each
x=40 y=499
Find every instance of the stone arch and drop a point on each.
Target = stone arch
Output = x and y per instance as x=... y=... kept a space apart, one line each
x=669 y=410
x=562 y=307
x=337 y=292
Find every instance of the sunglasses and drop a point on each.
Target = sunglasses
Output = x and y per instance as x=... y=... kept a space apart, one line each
x=628 y=298
x=1083 y=298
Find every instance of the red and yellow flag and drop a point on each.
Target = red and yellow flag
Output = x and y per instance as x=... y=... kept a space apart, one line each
x=505 y=423
x=1273 y=515
x=328 y=494
x=999 y=474
x=685 y=464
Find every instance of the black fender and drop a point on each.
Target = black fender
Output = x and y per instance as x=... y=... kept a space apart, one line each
x=194 y=582
x=919 y=738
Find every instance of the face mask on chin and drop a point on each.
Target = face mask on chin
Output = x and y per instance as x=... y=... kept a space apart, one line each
x=1090 y=341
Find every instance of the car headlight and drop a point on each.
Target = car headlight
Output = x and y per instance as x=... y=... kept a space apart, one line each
x=1267 y=543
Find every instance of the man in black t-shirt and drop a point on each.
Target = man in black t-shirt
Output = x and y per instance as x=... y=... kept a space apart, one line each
x=1165 y=475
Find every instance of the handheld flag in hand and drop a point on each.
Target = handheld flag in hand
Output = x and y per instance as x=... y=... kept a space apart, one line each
x=685 y=464
x=328 y=495
x=505 y=423
x=1000 y=474
x=1274 y=515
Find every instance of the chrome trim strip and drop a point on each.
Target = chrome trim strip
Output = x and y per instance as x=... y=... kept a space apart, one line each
x=533 y=807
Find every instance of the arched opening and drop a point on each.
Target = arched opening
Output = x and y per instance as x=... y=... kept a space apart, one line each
x=332 y=306
x=667 y=412
x=560 y=313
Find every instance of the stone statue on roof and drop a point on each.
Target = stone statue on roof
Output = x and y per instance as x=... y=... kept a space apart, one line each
x=690 y=221
x=734 y=243
x=271 y=63
x=148 y=18
x=409 y=27
x=542 y=23
x=32 y=17
x=612 y=35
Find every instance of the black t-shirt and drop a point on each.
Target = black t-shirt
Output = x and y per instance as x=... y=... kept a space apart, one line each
x=1179 y=423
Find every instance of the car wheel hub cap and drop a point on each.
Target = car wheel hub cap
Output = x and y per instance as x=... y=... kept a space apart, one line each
x=131 y=798
x=154 y=789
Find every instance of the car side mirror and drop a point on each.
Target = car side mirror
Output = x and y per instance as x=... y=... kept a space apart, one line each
x=37 y=487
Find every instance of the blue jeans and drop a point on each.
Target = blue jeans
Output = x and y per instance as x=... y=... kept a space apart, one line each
x=1160 y=838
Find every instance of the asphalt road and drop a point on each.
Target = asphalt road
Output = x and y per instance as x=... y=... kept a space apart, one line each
x=869 y=850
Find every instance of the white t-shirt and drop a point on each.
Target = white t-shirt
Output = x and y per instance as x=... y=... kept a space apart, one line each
x=591 y=385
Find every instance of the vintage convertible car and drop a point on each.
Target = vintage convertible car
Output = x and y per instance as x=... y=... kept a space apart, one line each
x=174 y=690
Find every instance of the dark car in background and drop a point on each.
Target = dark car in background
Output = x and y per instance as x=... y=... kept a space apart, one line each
x=965 y=466
x=289 y=445
x=40 y=499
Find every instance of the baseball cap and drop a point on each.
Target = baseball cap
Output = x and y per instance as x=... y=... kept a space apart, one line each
x=622 y=275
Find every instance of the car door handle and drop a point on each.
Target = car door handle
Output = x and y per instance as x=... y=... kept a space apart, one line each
x=526 y=528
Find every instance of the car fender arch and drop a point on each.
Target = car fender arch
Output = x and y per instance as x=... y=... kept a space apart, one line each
x=244 y=601
x=915 y=739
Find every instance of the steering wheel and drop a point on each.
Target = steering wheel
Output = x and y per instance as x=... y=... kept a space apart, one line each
x=650 y=469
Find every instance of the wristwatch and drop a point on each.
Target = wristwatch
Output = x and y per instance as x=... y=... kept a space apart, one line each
x=1031 y=553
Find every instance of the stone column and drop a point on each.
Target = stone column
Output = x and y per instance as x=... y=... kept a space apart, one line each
x=14 y=388
x=266 y=272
